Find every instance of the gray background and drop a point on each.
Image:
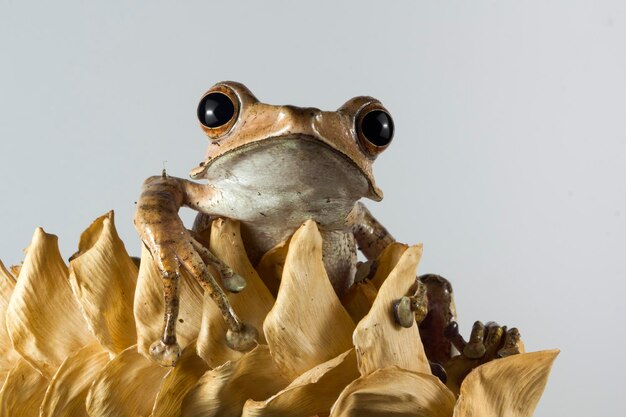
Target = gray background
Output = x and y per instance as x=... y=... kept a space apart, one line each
x=508 y=162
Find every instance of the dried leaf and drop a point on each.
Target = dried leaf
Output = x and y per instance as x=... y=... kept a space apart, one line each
x=509 y=387
x=314 y=392
x=68 y=389
x=387 y=261
x=380 y=342
x=359 y=299
x=395 y=392
x=178 y=382
x=308 y=325
x=149 y=306
x=8 y=356
x=126 y=386
x=223 y=391
x=270 y=267
x=103 y=278
x=251 y=304
x=23 y=391
x=43 y=318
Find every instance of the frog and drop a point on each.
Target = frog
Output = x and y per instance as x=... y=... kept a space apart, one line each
x=271 y=168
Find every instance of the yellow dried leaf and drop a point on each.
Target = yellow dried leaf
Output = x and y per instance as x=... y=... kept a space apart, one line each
x=103 y=278
x=308 y=325
x=270 y=267
x=509 y=387
x=387 y=261
x=126 y=386
x=178 y=382
x=8 y=356
x=395 y=392
x=43 y=318
x=23 y=391
x=149 y=306
x=223 y=391
x=380 y=342
x=68 y=389
x=251 y=305
x=314 y=392
x=359 y=299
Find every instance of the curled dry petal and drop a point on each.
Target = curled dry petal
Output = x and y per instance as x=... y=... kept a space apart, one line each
x=43 y=318
x=251 y=304
x=224 y=390
x=312 y=393
x=126 y=386
x=149 y=306
x=270 y=267
x=23 y=391
x=395 y=392
x=380 y=342
x=387 y=261
x=103 y=278
x=359 y=299
x=178 y=382
x=68 y=389
x=8 y=356
x=510 y=386
x=307 y=325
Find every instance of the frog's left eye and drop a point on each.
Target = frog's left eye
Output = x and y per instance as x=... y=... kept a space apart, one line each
x=215 y=110
x=374 y=127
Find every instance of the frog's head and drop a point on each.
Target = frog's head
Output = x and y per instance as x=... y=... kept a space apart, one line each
x=336 y=147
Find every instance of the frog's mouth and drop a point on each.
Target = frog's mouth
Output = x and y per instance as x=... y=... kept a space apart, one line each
x=290 y=163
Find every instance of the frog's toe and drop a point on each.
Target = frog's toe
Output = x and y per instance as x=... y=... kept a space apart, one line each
x=512 y=344
x=165 y=354
x=476 y=347
x=243 y=340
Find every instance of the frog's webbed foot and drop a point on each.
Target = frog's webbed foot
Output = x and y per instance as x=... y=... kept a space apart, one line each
x=165 y=354
x=487 y=342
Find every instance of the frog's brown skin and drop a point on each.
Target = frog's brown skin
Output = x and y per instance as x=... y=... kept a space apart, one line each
x=271 y=168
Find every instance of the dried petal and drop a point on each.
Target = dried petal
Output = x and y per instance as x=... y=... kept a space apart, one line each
x=380 y=342
x=179 y=381
x=251 y=304
x=395 y=392
x=68 y=389
x=43 y=318
x=510 y=386
x=387 y=261
x=149 y=306
x=223 y=391
x=307 y=325
x=8 y=356
x=23 y=391
x=314 y=392
x=103 y=278
x=126 y=386
x=359 y=299
x=270 y=267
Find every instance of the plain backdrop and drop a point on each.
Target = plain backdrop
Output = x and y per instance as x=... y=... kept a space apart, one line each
x=509 y=160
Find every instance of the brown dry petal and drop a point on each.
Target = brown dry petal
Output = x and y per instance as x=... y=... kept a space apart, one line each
x=314 y=392
x=149 y=306
x=43 y=318
x=387 y=261
x=251 y=304
x=126 y=386
x=395 y=392
x=103 y=278
x=359 y=299
x=510 y=386
x=380 y=342
x=178 y=382
x=68 y=389
x=8 y=356
x=23 y=391
x=308 y=325
x=223 y=391
x=270 y=267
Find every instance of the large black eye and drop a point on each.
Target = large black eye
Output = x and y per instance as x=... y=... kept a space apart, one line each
x=215 y=110
x=377 y=127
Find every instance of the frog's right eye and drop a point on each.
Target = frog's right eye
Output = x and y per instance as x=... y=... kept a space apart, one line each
x=215 y=110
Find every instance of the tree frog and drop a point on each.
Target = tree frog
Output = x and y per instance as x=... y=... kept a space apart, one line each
x=271 y=168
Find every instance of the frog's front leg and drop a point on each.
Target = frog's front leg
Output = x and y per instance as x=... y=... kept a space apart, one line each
x=172 y=245
x=371 y=236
